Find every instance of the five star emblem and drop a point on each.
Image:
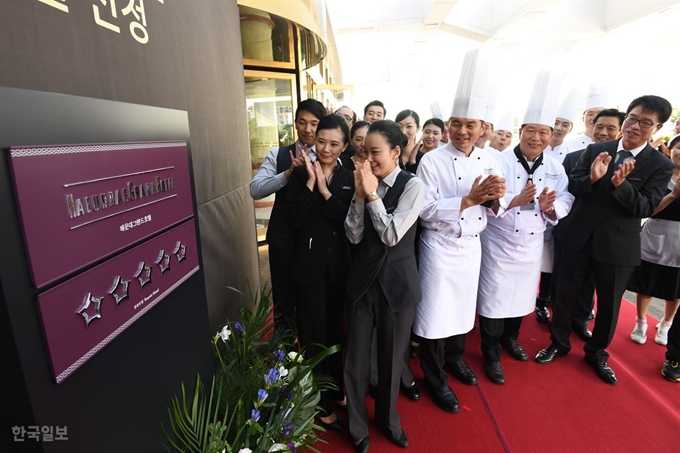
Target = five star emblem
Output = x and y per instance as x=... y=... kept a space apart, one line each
x=180 y=251
x=118 y=282
x=163 y=261
x=83 y=310
x=143 y=274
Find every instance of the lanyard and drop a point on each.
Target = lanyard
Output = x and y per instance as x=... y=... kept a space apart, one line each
x=525 y=164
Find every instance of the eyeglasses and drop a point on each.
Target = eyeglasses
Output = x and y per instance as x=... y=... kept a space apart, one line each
x=644 y=124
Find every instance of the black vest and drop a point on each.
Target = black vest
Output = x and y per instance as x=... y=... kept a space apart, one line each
x=394 y=268
x=279 y=231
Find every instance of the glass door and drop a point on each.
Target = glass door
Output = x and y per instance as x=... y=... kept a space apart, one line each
x=270 y=105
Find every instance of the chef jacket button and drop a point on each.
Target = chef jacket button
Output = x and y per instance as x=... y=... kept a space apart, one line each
x=462 y=218
x=517 y=212
x=476 y=235
x=536 y=215
x=532 y=232
x=480 y=218
x=518 y=177
x=455 y=158
x=516 y=231
x=540 y=179
x=460 y=178
x=479 y=158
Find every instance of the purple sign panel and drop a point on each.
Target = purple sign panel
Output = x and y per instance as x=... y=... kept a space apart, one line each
x=85 y=313
x=81 y=203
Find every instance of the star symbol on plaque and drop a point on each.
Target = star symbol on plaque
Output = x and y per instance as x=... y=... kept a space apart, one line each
x=163 y=261
x=143 y=274
x=119 y=290
x=180 y=251
x=85 y=310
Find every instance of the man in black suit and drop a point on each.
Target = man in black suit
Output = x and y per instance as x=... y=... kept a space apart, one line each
x=607 y=127
x=616 y=184
x=272 y=177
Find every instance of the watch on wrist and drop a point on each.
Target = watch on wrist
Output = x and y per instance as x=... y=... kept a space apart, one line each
x=372 y=194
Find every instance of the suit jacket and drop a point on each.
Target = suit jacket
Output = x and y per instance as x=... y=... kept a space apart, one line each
x=319 y=239
x=611 y=216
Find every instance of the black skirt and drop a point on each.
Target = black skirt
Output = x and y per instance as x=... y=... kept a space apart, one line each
x=656 y=280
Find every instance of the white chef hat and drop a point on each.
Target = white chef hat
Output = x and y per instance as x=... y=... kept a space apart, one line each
x=542 y=108
x=598 y=95
x=436 y=110
x=470 y=99
x=572 y=105
x=504 y=122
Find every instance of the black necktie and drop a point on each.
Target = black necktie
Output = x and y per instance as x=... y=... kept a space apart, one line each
x=621 y=157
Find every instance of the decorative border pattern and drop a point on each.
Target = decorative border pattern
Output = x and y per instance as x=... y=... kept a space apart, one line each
x=31 y=152
x=78 y=363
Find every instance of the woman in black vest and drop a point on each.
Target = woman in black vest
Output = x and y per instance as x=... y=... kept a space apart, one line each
x=383 y=287
x=319 y=195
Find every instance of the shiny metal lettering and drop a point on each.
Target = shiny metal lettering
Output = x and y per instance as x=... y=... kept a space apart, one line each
x=82 y=311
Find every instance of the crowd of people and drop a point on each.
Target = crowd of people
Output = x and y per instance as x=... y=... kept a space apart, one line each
x=396 y=240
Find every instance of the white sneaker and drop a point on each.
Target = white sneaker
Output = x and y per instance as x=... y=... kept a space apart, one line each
x=639 y=334
x=662 y=334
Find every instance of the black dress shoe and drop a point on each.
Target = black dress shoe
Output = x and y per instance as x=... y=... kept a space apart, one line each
x=462 y=372
x=445 y=399
x=542 y=314
x=494 y=372
x=362 y=447
x=671 y=370
x=401 y=441
x=516 y=350
x=335 y=425
x=603 y=371
x=582 y=331
x=548 y=354
x=412 y=392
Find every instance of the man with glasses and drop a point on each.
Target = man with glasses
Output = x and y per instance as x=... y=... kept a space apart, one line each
x=616 y=184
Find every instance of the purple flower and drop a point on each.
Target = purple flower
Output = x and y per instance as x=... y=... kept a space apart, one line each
x=262 y=395
x=239 y=327
x=271 y=377
x=287 y=429
x=279 y=354
x=292 y=447
x=254 y=415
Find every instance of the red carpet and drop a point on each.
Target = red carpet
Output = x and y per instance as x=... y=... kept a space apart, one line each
x=561 y=407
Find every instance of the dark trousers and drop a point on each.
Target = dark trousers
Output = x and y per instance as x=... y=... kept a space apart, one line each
x=586 y=299
x=320 y=310
x=545 y=286
x=392 y=335
x=454 y=348
x=610 y=280
x=494 y=331
x=673 y=347
x=281 y=270
x=407 y=379
x=435 y=353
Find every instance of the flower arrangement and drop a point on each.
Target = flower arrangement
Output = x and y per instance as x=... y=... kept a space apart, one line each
x=263 y=396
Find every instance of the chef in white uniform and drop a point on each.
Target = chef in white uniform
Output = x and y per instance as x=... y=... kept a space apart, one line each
x=537 y=194
x=567 y=114
x=597 y=100
x=501 y=139
x=458 y=179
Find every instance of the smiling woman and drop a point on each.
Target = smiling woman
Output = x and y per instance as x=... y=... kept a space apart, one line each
x=319 y=197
